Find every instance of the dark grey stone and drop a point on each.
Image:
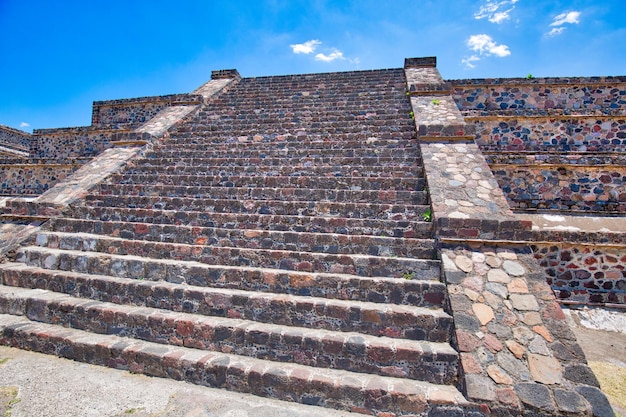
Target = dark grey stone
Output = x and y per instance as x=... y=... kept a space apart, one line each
x=582 y=374
x=569 y=401
x=599 y=404
x=535 y=395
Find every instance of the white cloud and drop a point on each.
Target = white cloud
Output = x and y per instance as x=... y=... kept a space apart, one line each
x=484 y=45
x=330 y=57
x=307 y=47
x=469 y=62
x=556 y=31
x=24 y=124
x=496 y=11
x=563 y=18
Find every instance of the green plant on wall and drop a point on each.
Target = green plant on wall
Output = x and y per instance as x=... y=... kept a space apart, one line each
x=408 y=275
x=436 y=102
x=412 y=115
x=427 y=216
x=529 y=77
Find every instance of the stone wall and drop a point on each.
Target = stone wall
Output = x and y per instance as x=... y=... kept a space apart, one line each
x=584 y=273
x=553 y=143
x=69 y=143
x=576 y=94
x=14 y=138
x=32 y=179
x=564 y=188
x=551 y=134
x=129 y=113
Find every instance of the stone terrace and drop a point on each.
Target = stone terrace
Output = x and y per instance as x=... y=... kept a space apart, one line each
x=331 y=239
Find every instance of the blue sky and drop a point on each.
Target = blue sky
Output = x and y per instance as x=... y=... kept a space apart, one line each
x=57 y=57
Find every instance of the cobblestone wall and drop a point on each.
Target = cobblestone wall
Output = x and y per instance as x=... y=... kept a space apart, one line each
x=606 y=94
x=67 y=143
x=584 y=273
x=127 y=113
x=14 y=138
x=551 y=187
x=562 y=134
x=32 y=179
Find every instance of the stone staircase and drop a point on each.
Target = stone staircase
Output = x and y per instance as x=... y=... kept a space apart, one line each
x=277 y=243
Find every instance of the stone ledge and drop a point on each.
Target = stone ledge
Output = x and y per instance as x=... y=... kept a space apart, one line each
x=444 y=139
x=446 y=130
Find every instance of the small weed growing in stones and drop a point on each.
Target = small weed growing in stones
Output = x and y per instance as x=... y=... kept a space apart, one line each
x=408 y=275
x=427 y=216
x=412 y=115
x=436 y=102
x=529 y=77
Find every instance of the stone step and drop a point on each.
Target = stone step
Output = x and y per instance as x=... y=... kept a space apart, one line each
x=355 y=264
x=404 y=161
x=284 y=152
x=335 y=183
x=338 y=225
x=185 y=136
x=350 y=351
x=276 y=144
x=414 y=198
x=390 y=320
x=373 y=171
x=269 y=207
x=155 y=290
x=251 y=238
x=339 y=389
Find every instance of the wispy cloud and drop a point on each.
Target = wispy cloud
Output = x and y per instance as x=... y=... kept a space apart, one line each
x=572 y=18
x=469 y=62
x=563 y=18
x=24 y=124
x=496 y=11
x=484 y=46
x=307 y=47
x=329 y=54
x=330 y=57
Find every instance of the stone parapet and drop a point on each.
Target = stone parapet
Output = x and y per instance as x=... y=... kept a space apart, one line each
x=129 y=113
x=14 y=138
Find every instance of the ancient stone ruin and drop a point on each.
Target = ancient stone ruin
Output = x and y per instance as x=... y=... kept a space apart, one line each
x=384 y=242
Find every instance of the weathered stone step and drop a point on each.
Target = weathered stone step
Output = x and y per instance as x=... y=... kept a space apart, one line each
x=285 y=170
x=414 y=198
x=351 y=351
x=251 y=238
x=156 y=290
x=339 y=225
x=335 y=183
x=264 y=142
x=355 y=264
x=315 y=386
x=404 y=161
x=269 y=207
x=284 y=152
x=376 y=319
x=280 y=136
